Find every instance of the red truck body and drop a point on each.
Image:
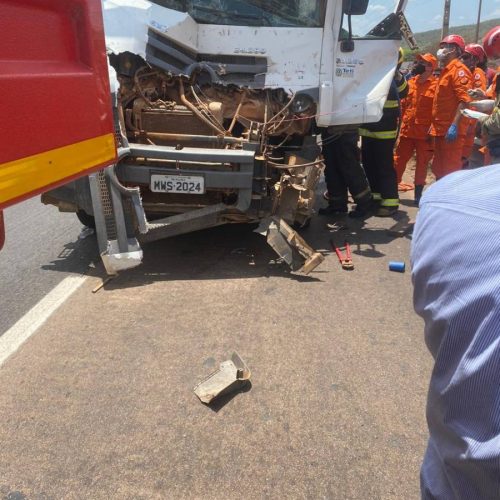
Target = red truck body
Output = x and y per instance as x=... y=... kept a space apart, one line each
x=57 y=118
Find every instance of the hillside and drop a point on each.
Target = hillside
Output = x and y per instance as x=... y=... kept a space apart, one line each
x=428 y=41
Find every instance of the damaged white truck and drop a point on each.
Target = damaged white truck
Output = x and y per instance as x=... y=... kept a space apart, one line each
x=217 y=104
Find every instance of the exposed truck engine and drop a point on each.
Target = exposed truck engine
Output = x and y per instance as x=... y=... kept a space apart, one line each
x=217 y=106
x=161 y=109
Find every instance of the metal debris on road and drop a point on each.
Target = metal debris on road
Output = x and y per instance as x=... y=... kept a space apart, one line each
x=289 y=245
x=232 y=375
x=337 y=226
x=102 y=284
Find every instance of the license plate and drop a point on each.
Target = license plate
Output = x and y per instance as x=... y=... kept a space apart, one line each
x=185 y=184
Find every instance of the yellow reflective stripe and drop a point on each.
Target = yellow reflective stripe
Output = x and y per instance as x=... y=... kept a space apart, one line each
x=32 y=174
x=377 y=196
x=402 y=86
x=391 y=134
x=391 y=104
x=390 y=202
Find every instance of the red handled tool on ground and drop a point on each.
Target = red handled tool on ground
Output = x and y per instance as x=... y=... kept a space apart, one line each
x=345 y=262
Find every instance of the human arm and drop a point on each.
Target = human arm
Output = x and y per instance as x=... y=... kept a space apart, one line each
x=401 y=85
x=452 y=133
x=491 y=124
x=477 y=94
x=462 y=82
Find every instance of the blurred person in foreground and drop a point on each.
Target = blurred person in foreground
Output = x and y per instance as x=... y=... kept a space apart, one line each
x=456 y=278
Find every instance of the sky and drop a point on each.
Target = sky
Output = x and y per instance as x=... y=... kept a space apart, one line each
x=424 y=15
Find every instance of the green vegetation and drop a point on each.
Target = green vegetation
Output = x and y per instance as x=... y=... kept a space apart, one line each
x=428 y=41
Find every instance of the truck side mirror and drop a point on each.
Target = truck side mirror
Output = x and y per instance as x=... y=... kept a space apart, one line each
x=355 y=7
x=347 y=46
x=352 y=8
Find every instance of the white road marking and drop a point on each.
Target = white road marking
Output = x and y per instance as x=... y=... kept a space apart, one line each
x=15 y=336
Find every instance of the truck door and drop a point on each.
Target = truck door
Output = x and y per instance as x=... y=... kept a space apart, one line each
x=362 y=64
x=56 y=110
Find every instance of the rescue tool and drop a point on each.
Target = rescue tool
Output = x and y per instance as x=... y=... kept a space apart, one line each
x=346 y=262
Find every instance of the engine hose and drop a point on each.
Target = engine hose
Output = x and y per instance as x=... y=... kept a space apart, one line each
x=195 y=110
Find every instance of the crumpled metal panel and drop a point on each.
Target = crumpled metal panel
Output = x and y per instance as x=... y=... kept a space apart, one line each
x=231 y=376
x=289 y=245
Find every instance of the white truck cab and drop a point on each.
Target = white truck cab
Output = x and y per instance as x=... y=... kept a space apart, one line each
x=217 y=111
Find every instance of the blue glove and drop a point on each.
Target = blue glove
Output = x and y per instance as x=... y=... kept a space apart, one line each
x=452 y=133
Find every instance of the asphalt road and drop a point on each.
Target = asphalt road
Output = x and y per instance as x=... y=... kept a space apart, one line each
x=41 y=249
x=99 y=402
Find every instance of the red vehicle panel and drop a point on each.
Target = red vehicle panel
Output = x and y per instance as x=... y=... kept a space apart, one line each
x=56 y=110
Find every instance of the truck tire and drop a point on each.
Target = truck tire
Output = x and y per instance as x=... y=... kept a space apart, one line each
x=85 y=218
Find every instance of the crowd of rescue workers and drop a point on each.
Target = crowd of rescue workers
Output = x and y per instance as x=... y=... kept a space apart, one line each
x=427 y=115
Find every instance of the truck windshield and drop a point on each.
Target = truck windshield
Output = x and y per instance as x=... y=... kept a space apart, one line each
x=276 y=13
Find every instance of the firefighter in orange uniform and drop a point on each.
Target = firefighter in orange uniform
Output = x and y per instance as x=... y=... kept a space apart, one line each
x=475 y=59
x=417 y=115
x=447 y=130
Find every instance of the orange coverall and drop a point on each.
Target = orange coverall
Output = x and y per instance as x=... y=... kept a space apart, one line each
x=417 y=116
x=454 y=82
x=479 y=81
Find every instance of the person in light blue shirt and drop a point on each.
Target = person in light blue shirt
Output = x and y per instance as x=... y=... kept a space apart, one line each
x=456 y=277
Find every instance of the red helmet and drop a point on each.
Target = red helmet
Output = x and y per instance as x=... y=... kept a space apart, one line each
x=477 y=51
x=456 y=39
x=491 y=42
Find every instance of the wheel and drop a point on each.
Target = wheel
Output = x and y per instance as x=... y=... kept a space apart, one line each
x=85 y=218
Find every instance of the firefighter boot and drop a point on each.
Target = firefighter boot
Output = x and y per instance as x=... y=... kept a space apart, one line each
x=418 y=193
x=337 y=205
x=333 y=210
x=364 y=208
x=386 y=211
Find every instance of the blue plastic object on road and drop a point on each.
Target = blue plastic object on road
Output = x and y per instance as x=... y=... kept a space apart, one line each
x=398 y=267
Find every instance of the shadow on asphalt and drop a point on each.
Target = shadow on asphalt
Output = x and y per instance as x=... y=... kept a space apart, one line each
x=231 y=252
x=366 y=237
x=219 y=403
x=225 y=252
x=407 y=202
x=236 y=252
x=75 y=257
